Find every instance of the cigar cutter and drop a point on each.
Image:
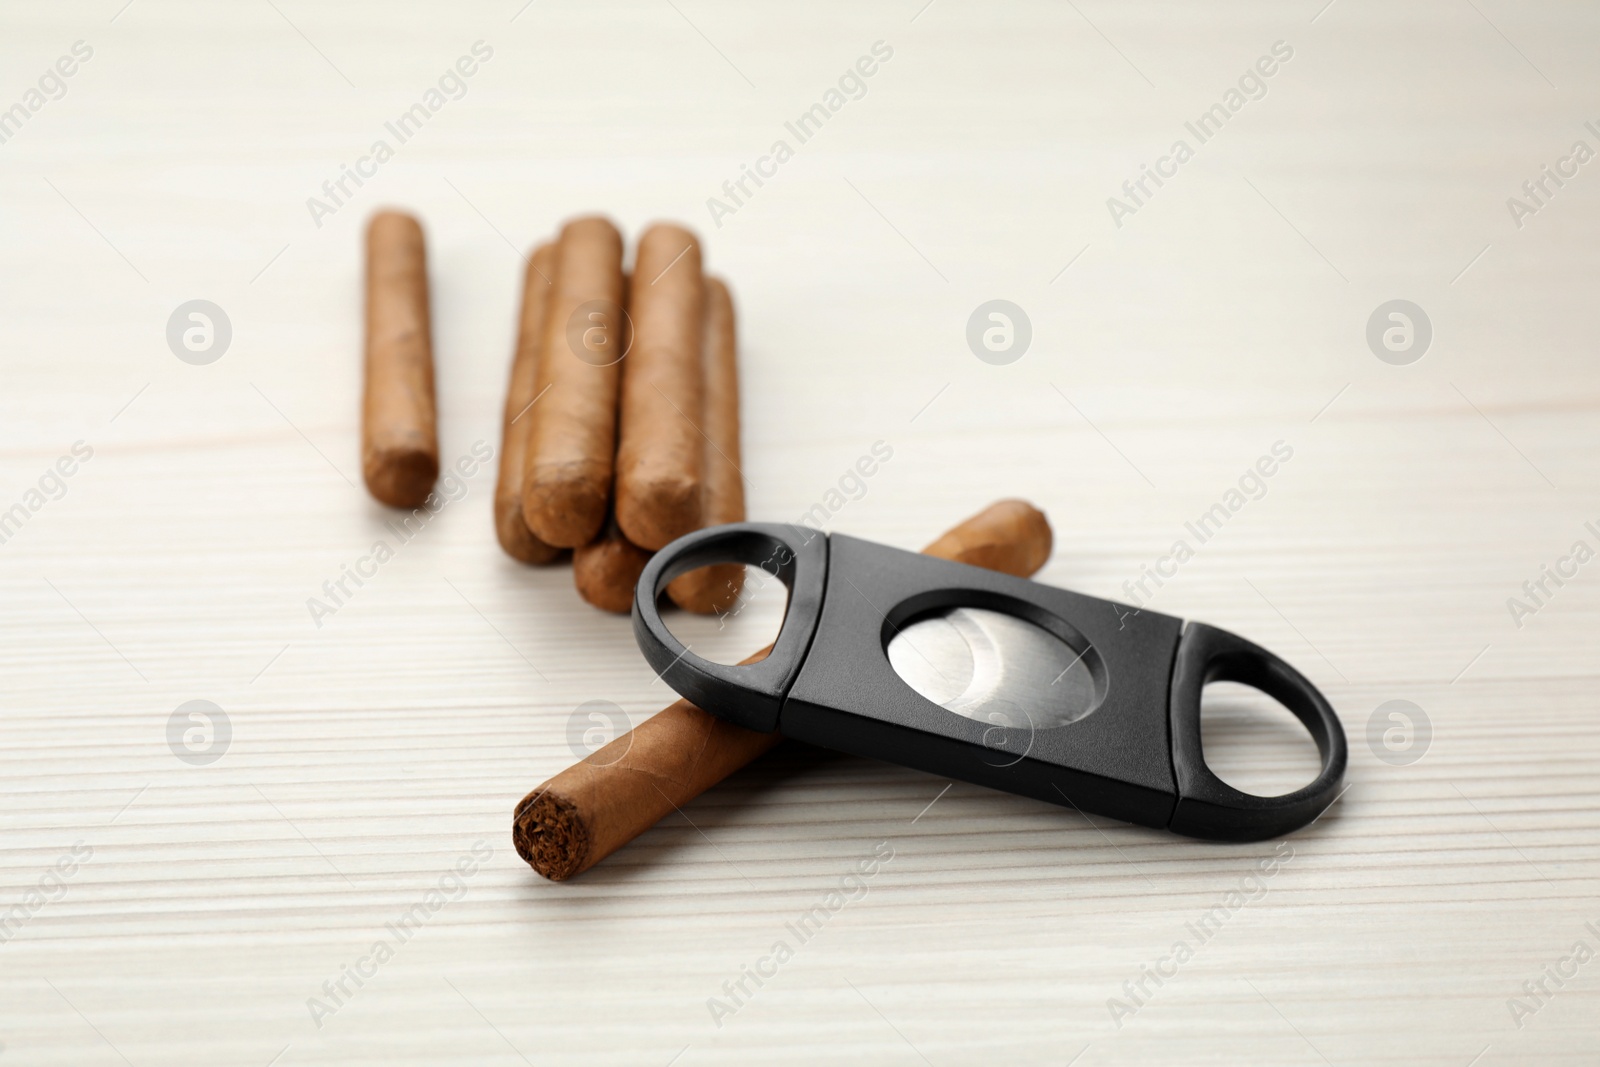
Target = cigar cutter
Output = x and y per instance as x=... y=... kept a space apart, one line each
x=981 y=676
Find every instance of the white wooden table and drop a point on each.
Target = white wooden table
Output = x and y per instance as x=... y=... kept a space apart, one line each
x=163 y=910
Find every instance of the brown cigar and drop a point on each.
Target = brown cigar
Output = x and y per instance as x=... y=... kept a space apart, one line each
x=572 y=443
x=596 y=806
x=606 y=569
x=515 y=537
x=1013 y=538
x=399 y=421
x=659 y=444
x=712 y=590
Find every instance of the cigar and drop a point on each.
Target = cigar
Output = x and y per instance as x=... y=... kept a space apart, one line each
x=599 y=804
x=607 y=568
x=567 y=483
x=1013 y=538
x=713 y=590
x=399 y=421
x=521 y=413
x=660 y=445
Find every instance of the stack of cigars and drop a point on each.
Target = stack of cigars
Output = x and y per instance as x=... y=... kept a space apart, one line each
x=621 y=425
x=620 y=433
x=621 y=429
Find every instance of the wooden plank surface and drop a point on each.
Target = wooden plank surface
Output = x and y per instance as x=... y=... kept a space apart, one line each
x=163 y=911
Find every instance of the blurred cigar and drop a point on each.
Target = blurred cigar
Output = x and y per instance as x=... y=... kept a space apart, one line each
x=606 y=569
x=1013 y=538
x=596 y=806
x=713 y=590
x=571 y=446
x=399 y=421
x=521 y=413
x=659 y=444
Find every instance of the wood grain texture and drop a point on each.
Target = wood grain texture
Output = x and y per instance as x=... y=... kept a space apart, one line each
x=370 y=753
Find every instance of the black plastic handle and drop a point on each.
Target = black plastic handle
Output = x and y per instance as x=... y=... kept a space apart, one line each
x=752 y=694
x=1209 y=807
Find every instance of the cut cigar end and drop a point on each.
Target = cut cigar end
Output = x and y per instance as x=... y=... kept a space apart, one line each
x=655 y=510
x=401 y=478
x=606 y=572
x=550 y=835
x=1011 y=536
x=564 y=504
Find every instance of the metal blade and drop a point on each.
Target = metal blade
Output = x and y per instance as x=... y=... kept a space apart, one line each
x=993 y=667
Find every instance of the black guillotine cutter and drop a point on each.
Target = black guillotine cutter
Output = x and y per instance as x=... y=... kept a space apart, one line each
x=981 y=676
